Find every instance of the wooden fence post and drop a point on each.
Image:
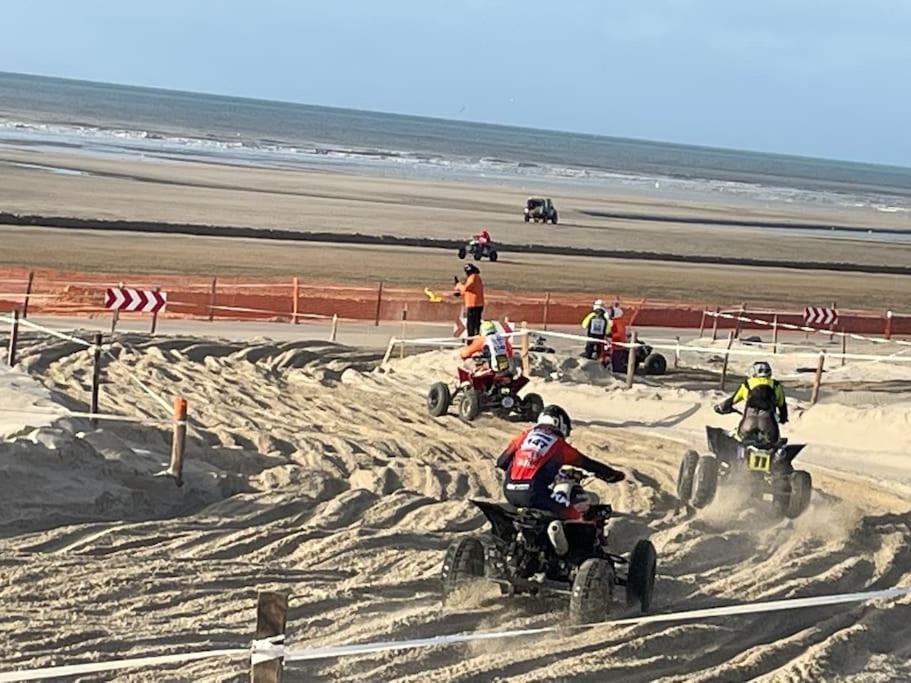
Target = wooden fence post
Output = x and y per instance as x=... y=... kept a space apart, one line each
x=546 y=308
x=888 y=333
x=96 y=377
x=677 y=351
x=271 y=620
x=817 y=381
x=28 y=294
x=295 y=299
x=13 y=338
x=844 y=346
x=404 y=329
x=178 y=441
x=775 y=333
x=702 y=324
x=739 y=325
x=212 y=300
x=155 y=316
x=715 y=323
x=379 y=303
x=727 y=357
x=333 y=333
x=523 y=353
x=631 y=359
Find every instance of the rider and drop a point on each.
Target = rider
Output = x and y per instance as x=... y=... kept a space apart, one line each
x=482 y=237
x=597 y=326
x=496 y=349
x=472 y=293
x=764 y=396
x=532 y=461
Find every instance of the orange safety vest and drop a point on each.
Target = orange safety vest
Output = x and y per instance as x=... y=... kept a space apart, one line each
x=472 y=291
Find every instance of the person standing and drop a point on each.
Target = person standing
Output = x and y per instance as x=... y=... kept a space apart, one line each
x=472 y=293
x=597 y=327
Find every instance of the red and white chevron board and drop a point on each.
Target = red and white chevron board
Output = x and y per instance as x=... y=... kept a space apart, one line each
x=820 y=316
x=128 y=299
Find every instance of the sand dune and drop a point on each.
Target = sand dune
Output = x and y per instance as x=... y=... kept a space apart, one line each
x=308 y=471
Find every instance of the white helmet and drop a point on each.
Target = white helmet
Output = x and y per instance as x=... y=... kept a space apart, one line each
x=598 y=305
x=761 y=369
x=555 y=417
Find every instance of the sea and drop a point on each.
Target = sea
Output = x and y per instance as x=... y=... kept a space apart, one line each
x=103 y=118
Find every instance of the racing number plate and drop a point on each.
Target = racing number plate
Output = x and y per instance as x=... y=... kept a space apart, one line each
x=758 y=461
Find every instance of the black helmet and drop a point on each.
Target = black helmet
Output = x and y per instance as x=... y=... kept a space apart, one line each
x=471 y=268
x=554 y=416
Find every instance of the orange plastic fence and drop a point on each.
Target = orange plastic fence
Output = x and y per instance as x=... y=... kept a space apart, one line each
x=73 y=293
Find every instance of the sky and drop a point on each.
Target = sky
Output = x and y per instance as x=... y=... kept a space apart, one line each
x=827 y=78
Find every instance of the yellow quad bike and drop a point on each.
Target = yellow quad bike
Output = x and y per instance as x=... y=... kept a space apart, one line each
x=766 y=469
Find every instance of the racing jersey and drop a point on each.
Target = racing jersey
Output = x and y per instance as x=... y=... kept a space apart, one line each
x=533 y=459
x=500 y=354
x=596 y=325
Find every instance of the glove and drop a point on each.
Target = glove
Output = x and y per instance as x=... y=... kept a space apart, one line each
x=719 y=408
x=615 y=477
x=455 y=279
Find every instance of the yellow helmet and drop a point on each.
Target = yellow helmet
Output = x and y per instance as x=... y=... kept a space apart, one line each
x=488 y=327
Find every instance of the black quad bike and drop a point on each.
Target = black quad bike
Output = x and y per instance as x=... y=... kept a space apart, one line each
x=479 y=249
x=647 y=360
x=519 y=556
x=764 y=469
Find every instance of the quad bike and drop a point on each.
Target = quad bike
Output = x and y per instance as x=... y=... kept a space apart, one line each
x=539 y=345
x=519 y=555
x=540 y=209
x=763 y=468
x=479 y=249
x=484 y=389
x=647 y=359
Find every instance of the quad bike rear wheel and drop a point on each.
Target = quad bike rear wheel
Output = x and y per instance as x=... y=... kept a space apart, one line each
x=478 y=254
x=469 y=405
x=464 y=562
x=655 y=364
x=462 y=252
x=592 y=591
x=705 y=481
x=532 y=405
x=801 y=490
x=493 y=255
x=686 y=475
x=554 y=218
x=438 y=399
x=640 y=582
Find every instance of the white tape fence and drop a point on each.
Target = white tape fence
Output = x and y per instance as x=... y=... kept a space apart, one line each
x=273 y=648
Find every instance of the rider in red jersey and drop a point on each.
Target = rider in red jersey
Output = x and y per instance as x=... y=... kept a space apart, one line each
x=533 y=459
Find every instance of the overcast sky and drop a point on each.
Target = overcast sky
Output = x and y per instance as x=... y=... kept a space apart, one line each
x=823 y=78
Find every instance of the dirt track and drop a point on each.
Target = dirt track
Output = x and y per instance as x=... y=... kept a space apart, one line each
x=349 y=508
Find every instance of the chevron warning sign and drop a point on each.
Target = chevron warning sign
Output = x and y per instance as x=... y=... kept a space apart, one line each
x=128 y=299
x=813 y=315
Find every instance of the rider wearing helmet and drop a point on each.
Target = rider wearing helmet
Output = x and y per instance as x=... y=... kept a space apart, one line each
x=483 y=237
x=764 y=396
x=597 y=326
x=496 y=349
x=534 y=457
x=472 y=293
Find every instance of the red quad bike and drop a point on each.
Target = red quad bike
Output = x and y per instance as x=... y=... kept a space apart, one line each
x=517 y=555
x=484 y=390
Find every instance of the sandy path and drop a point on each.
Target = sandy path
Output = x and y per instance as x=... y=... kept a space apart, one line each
x=190 y=192
x=308 y=473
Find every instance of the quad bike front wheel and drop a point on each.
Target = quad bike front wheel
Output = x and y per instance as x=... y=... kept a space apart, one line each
x=801 y=490
x=640 y=582
x=462 y=252
x=655 y=364
x=464 y=562
x=705 y=481
x=686 y=475
x=532 y=405
x=527 y=218
x=592 y=591
x=438 y=399
x=493 y=255
x=469 y=405
x=553 y=219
